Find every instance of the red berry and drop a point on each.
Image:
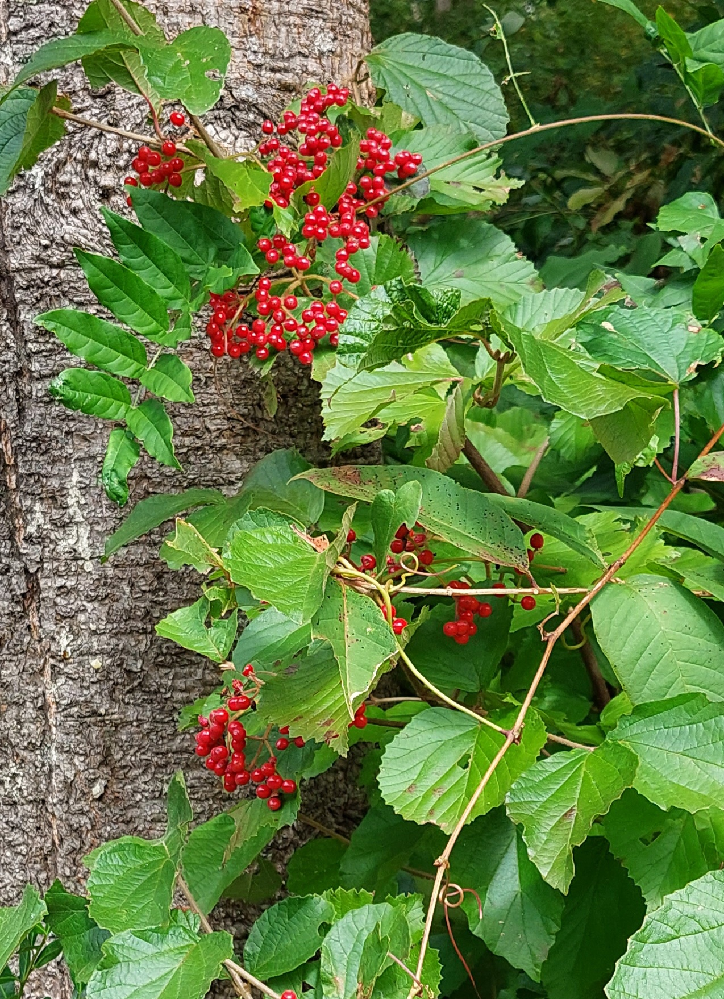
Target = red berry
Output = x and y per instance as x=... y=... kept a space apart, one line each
x=267 y=127
x=177 y=118
x=537 y=541
x=153 y=159
x=143 y=153
x=485 y=610
x=130 y=180
x=398 y=625
x=175 y=180
x=360 y=722
x=263 y=791
x=499 y=586
x=528 y=603
x=169 y=148
x=274 y=781
x=282 y=743
x=248 y=670
x=397 y=546
x=219 y=716
x=257 y=776
x=351 y=536
x=368 y=562
x=299 y=742
x=426 y=557
x=274 y=803
x=290 y=302
x=288 y=994
x=289 y=786
x=449 y=629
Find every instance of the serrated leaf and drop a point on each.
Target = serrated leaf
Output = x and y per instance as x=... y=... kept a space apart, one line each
x=17 y=920
x=521 y=914
x=169 y=378
x=161 y=963
x=270 y=638
x=430 y=770
x=247 y=182
x=187 y=627
x=354 y=952
x=314 y=866
x=150 y=423
x=630 y=8
x=122 y=453
x=266 y=554
x=389 y=511
x=98 y=342
x=379 y=847
x=154 y=510
x=80 y=936
x=331 y=184
x=125 y=294
x=554 y=523
x=439 y=83
x=384 y=260
x=708 y=291
x=660 y=639
x=91 y=392
x=272 y=483
x=465 y=518
x=286 y=935
x=191 y=69
x=451 y=435
x=151 y=259
x=192 y=548
x=710 y=468
x=557 y=800
x=131 y=883
x=61 y=51
x=122 y=66
x=676 y=951
x=360 y=637
x=680 y=746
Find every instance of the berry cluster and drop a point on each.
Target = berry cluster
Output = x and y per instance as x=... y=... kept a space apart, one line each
x=154 y=168
x=462 y=627
x=223 y=738
x=411 y=541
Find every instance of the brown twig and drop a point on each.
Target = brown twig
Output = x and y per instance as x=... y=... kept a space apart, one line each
x=601 y=693
x=567 y=742
x=532 y=469
x=148 y=140
x=677 y=437
x=486 y=473
x=209 y=141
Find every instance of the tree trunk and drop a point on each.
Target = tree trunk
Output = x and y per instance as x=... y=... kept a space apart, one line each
x=88 y=694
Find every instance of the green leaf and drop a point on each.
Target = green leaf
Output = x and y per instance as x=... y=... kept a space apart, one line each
x=121 y=66
x=465 y=518
x=710 y=468
x=389 y=511
x=91 y=392
x=187 y=627
x=80 y=936
x=354 y=952
x=247 y=182
x=473 y=256
x=680 y=746
x=122 y=453
x=708 y=290
x=154 y=261
x=125 y=294
x=286 y=935
x=259 y=885
x=61 y=51
x=270 y=638
x=384 y=260
x=131 y=883
x=440 y=84
x=219 y=851
x=332 y=183
x=17 y=920
x=601 y=911
x=694 y=212
x=660 y=639
x=42 y=128
x=558 y=525
x=314 y=866
x=154 y=510
x=360 y=637
x=150 y=423
x=663 y=851
x=271 y=483
x=169 y=378
x=630 y=8
x=190 y=548
x=14 y=112
x=380 y=846
x=191 y=69
x=451 y=435
x=430 y=770
x=277 y=563
x=98 y=342
x=557 y=800
x=161 y=963
x=521 y=914
x=677 y=950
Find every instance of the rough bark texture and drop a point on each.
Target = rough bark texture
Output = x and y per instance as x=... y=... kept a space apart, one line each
x=88 y=694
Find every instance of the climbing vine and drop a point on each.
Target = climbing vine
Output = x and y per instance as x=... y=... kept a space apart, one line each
x=514 y=616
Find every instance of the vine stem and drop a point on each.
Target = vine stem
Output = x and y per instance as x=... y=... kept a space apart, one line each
x=512 y=75
x=563 y=123
x=149 y=140
x=486 y=591
x=677 y=436
x=513 y=736
x=532 y=469
x=239 y=976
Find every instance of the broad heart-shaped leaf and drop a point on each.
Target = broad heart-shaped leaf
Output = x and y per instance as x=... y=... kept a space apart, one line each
x=125 y=294
x=307 y=696
x=660 y=639
x=187 y=627
x=17 y=920
x=465 y=518
x=389 y=511
x=61 y=51
x=694 y=212
x=131 y=883
x=558 y=798
x=150 y=423
x=80 y=935
x=360 y=637
x=191 y=68
x=430 y=770
x=380 y=845
x=13 y=119
x=286 y=935
x=663 y=851
x=661 y=341
x=270 y=638
x=92 y=392
x=521 y=914
x=354 y=952
x=559 y=525
x=154 y=510
x=601 y=911
x=121 y=455
x=161 y=963
x=677 y=951
x=247 y=182
x=680 y=746
x=169 y=378
x=203 y=237
x=440 y=84
x=98 y=342
x=708 y=292
x=267 y=554
x=219 y=850
x=154 y=261
x=473 y=256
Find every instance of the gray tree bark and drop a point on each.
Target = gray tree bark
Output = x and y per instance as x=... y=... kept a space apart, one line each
x=88 y=694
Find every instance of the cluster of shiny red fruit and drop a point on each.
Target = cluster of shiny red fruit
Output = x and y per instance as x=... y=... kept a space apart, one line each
x=276 y=321
x=222 y=740
x=410 y=541
x=154 y=168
